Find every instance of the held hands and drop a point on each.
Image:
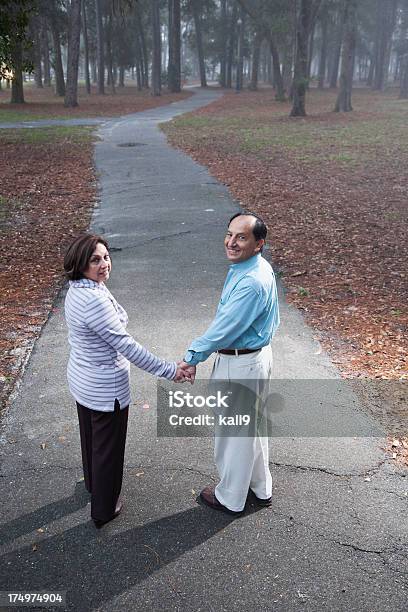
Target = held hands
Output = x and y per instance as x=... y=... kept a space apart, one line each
x=185 y=372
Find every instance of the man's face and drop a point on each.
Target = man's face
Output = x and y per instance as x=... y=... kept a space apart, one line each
x=240 y=243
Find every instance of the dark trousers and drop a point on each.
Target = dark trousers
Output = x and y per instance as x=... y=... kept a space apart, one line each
x=103 y=438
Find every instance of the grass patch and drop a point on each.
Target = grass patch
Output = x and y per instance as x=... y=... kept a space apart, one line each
x=12 y=116
x=326 y=136
x=75 y=134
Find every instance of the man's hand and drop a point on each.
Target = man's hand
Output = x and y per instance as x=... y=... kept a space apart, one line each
x=185 y=372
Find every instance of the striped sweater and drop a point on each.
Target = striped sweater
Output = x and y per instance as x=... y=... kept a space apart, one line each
x=101 y=348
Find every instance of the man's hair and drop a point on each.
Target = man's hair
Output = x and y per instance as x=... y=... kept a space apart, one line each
x=259 y=229
x=79 y=253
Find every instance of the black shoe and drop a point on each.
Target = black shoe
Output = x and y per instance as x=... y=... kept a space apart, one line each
x=119 y=507
x=265 y=503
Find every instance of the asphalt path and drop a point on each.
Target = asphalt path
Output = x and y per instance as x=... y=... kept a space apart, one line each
x=336 y=536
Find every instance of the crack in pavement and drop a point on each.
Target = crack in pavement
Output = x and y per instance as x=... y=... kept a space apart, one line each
x=367 y=472
x=355 y=547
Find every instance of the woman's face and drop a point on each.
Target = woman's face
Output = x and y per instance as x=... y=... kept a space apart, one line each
x=99 y=265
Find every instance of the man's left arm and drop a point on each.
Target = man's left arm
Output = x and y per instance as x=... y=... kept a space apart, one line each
x=231 y=321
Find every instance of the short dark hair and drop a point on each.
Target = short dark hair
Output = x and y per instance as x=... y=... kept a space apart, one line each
x=79 y=253
x=259 y=230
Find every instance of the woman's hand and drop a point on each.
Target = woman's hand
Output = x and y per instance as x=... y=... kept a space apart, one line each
x=185 y=372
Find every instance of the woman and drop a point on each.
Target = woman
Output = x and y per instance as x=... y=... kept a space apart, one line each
x=98 y=371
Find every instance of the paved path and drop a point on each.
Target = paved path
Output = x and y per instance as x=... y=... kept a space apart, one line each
x=336 y=537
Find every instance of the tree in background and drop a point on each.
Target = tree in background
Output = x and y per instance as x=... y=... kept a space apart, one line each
x=56 y=18
x=267 y=19
x=343 y=102
x=197 y=12
x=74 y=29
x=14 y=20
x=100 y=50
x=86 y=47
x=307 y=13
x=386 y=17
x=174 y=64
x=156 y=39
x=402 y=49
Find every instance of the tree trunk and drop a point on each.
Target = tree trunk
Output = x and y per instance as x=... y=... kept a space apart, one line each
x=269 y=70
x=277 y=75
x=224 y=39
x=58 y=69
x=404 y=77
x=138 y=68
x=121 y=76
x=100 y=51
x=36 y=35
x=337 y=52
x=231 y=45
x=199 y=40
x=301 y=61
x=17 y=90
x=392 y=15
x=141 y=42
x=139 y=79
x=156 y=61
x=370 y=77
x=310 y=53
x=71 y=94
x=386 y=13
x=86 y=48
x=385 y=9
x=46 y=54
x=323 y=49
x=94 y=72
x=240 y=54
x=287 y=69
x=174 y=66
x=108 y=30
x=256 y=54
x=343 y=102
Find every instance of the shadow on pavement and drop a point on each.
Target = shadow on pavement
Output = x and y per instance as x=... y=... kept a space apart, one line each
x=44 y=515
x=95 y=566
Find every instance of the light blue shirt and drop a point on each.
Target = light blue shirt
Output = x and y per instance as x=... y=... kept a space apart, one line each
x=247 y=314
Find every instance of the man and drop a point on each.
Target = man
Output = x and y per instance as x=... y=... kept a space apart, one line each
x=246 y=319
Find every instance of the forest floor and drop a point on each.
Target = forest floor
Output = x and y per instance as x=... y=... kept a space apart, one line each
x=332 y=188
x=44 y=104
x=47 y=193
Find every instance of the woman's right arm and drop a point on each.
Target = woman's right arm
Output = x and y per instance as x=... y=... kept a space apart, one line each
x=102 y=318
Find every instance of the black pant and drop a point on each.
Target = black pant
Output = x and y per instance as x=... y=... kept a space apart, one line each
x=103 y=439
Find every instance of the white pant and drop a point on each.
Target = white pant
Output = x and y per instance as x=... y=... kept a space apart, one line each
x=243 y=461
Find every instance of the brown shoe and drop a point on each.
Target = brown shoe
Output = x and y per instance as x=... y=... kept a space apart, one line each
x=265 y=503
x=208 y=497
x=119 y=507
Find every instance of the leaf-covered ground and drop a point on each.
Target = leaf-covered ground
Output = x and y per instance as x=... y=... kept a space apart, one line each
x=333 y=190
x=47 y=191
x=43 y=103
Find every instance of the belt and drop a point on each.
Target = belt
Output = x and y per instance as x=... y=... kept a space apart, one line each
x=237 y=352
